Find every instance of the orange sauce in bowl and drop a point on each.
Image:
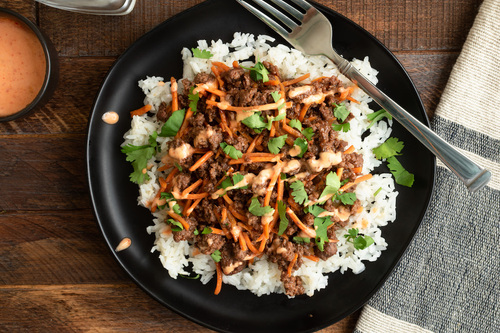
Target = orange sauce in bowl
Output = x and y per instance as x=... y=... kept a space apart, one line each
x=22 y=66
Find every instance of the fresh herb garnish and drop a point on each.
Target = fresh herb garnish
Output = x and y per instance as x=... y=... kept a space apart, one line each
x=232 y=181
x=376 y=116
x=206 y=231
x=401 y=175
x=275 y=144
x=139 y=156
x=177 y=209
x=276 y=96
x=332 y=184
x=177 y=166
x=196 y=277
x=203 y=54
x=193 y=100
x=216 y=256
x=391 y=147
x=231 y=151
x=377 y=191
x=347 y=198
x=321 y=225
x=258 y=72
x=283 y=219
x=359 y=241
x=308 y=133
x=314 y=210
x=176 y=226
x=173 y=124
x=341 y=112
x=302 y=143
x=295 y=123
x=299 y=194
x=258 y=123
x=301 y=240
x=345 y=127
x=257 y=210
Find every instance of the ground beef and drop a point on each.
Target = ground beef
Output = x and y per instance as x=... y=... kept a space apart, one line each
x=164 y=112
x=209 y=243
x=204 y=78
x=186 y=234
x=232 y=259
x=329 y=249
x=293 y=284
x=182 y=181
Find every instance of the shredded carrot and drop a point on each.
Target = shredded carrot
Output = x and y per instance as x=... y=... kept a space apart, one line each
x=272 y=83
x=218 y=286
x=264 y=240
x=357 y=170
x=235 y=64
x=292 y=263
x=252 y=145
x=194 y=196
x=221 y=65
x=319 y=78
x=291 y=131
x=191 y=187
x=192 y=207
x=217 y=231
x=313 y=258
x=165 y=167
x=173 y=90
x=249 y=243
x=308 y=231
x=243 y=244
x=216 y=92
x=356 y=181
x=303 y=111
x=169 y=178
x=293 y=204
x=186 y=207
x=179 y=219
x=272 y=182
x=251 y=158
x=272 y=132
x=223 y=123
x=180 y=132
x=196 y=251
x=237 y=214
x=310 y=119
x=227 y=199
x=352 y=100
x=141 y=111
x=202 y=160
x=296 y=80
x=349 y=150
x=226 y=106
x=339 y=172
x=216 y=72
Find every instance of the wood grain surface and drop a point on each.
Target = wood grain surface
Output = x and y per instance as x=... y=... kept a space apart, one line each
x=56 y=272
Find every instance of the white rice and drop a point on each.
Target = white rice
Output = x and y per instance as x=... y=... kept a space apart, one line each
x=263 y=277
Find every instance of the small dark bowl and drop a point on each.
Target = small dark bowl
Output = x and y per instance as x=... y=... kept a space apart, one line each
x=51 y=67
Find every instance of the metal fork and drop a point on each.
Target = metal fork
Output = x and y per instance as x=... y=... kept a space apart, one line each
x=314 y=37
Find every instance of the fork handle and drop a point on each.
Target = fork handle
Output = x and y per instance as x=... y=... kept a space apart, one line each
x=473 y=176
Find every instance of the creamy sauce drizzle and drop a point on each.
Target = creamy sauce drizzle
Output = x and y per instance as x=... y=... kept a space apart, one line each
x=326 y=160
x=183 y=151
x=110 y=117
x=22 y=66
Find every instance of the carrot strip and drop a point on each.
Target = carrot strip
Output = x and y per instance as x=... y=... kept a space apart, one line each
x=235 y=64
x=293 y=204
x=357 y=170
x=319 y=78
x=190 y=196
x=249 y=243
x=141 y=111
x=173 y=90
x=296 y=80
x=216 y=72
x=186 y=207
x=189 y=114
x=224 y=124
x=192 y=207
x=217 y=231
x=303 y=111
x=237 y=214
x=271 y=106
x=252 y=145
x=253 y=159
x=243 y=244
x=308 y=231
x=339 y=172
x=191 y=187
x=356 y=181
x=179 y=219
x=164 y=167
x=292 y=263
x=227 y=199
x=313 y=258
x=223 y=215
x=291 y=131
x=221 y=65
x=349 y=150
x=202 y=160
x=311 y=119
x=272 y=83
x=218 y=286
x=216 y=92
x=272 y=182
x=353 y=100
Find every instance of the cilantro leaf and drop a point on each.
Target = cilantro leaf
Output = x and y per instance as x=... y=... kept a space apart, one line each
x=177 y=209
x=347 y=198
x=295 y=123
x=203 y=54
x=206 y=231
x=237 y=178
x=270 y=120
x=299 y=194
x=341 y=112
x=196 y=277
x=255 y=122
x=173 y=123
x=301 y=240
x=391 y=147
x=276 y=96
x=167 y=196
x=258 y=72
x=177 y=166
x=216 y=256
x=308 y=133
x=332 y=184
x=401 y=175
x=283 y=219
x=226 y=183
x=321 y=225
x=359 y=241
x=231 y=151
x=302 y=143
x=345 y=127
x=176 y=226
x=376 y=116
x=275 y=144
x=193 y=100
x=139 y=157
x=257 y=210
x=315 y=210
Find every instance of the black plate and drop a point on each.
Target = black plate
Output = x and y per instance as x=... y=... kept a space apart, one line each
x=114 y=197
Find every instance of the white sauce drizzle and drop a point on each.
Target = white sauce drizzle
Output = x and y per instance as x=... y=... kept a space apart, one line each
x=183 y=151
x=110 y=117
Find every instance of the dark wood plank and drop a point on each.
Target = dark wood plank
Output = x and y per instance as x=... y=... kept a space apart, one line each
x=401 y=25
x=25 y=8
x=43 y=172
x=98 y=308
x=55 y=247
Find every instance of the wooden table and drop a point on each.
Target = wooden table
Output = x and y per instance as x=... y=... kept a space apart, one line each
x=56 y=274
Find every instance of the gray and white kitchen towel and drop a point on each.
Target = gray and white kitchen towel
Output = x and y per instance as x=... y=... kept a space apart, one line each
x=449 y=278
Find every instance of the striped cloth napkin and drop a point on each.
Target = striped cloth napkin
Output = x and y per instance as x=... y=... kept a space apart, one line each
x=449 y=278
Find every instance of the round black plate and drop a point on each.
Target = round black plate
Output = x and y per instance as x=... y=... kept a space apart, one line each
x=115 y=198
